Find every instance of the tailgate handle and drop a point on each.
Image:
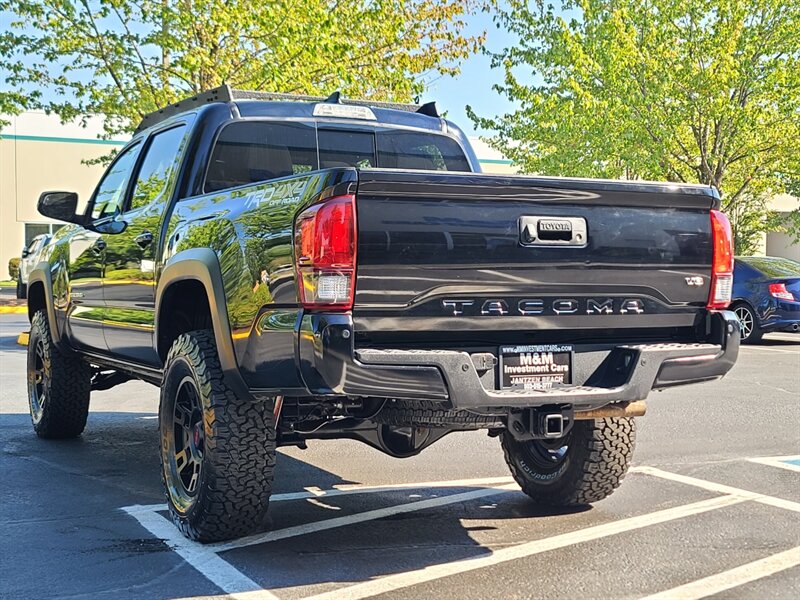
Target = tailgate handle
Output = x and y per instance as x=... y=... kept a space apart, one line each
x=553 y=231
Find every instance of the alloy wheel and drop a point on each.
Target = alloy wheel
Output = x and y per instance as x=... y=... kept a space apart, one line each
x=746 y=320
x=548 y=454
x=187 y=444
x=38 y=397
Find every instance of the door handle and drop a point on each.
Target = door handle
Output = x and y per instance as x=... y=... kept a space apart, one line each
x=144 y=239
x=99 y=245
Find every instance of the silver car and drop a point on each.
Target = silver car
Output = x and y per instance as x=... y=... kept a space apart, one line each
x=28 y=259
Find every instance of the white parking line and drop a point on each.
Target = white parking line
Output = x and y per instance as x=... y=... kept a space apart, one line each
x=431 y=573
x=207 y=561
x=778 y=461
x=708 y=586
x=217 y=570
x=369 y=515
x=720 y=488
x=357 y=488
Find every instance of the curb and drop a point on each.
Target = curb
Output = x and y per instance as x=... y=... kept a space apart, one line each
x=22 y=340
x=13 y=310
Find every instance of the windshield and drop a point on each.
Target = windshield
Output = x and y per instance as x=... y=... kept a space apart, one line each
x=773 y=267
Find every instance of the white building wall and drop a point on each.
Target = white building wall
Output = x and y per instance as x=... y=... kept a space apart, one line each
x=39 y=153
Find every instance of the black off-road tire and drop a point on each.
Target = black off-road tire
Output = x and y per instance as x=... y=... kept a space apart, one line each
x=237 y=461
x=598 y=453
x=59 y=384
x=22 y=290
x=402 y=413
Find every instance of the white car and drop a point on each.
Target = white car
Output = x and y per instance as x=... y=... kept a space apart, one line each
x=28 y=260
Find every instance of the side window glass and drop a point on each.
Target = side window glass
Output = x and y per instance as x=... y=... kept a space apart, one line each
x=111 y=190
x=158 y=167
x=249 y=152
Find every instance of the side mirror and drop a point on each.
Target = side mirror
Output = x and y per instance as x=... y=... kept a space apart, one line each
x=61 y=206
x=25 y=253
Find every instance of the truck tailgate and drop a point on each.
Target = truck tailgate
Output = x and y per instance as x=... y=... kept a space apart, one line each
x=454 y=256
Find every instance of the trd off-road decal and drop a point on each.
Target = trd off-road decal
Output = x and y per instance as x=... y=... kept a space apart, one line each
x=285 y=192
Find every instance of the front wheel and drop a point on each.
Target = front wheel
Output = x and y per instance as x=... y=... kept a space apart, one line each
x=217 y=449
x=22 y=291
x=59 y=384
x=583 y=467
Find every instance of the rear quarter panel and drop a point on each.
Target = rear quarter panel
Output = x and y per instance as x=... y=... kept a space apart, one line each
x=250 y=230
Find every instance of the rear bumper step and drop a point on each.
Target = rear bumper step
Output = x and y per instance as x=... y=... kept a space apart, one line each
x=624 y=373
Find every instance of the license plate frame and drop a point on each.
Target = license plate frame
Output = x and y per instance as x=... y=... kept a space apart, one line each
x=535 y=367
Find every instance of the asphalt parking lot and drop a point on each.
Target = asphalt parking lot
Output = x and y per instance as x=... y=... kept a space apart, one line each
x=710 y=508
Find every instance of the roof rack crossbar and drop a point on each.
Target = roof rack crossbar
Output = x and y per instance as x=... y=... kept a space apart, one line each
x=225 y=93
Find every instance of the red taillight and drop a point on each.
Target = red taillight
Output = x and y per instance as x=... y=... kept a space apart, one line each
x=778 y=290
x=719 y=296
x=325 y=253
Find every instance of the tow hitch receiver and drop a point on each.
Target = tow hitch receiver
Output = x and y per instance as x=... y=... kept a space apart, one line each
x=543 y=423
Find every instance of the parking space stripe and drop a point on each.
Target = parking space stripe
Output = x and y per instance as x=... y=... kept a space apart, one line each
x=714 y=584
x=434 y=572
x=350 y=489
x=790 y=463
x=217 y=570
x=370 y=515
x=720 y=488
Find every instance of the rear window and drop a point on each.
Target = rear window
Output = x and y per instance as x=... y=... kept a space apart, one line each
x=251 y=151
x=342 y=148
x=772 y=266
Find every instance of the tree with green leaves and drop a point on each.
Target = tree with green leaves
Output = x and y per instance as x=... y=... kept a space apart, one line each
x=125 y=58
x=706 y=91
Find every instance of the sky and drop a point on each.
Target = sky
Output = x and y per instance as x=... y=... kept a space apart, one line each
x=474 y=85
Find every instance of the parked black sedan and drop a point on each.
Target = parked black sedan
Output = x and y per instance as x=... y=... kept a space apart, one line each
x=766 y=295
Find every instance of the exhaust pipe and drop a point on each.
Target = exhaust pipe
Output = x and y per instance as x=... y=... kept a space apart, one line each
x=620 y=409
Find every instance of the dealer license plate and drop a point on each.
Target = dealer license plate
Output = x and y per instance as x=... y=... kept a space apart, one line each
x=538 y=367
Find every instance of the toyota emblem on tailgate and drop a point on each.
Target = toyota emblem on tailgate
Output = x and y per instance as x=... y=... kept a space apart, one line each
x=552 y=231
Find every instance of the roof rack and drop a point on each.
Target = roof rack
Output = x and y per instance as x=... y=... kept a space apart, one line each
x=225 y=93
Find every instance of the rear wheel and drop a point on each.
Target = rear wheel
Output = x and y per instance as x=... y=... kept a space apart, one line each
x=748 y=322
x=584 y=466
x=59 y=384
x=217 y=449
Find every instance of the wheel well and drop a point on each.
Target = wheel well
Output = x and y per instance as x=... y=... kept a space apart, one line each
x=740 y=301
x=36 y=299
x=184 y=307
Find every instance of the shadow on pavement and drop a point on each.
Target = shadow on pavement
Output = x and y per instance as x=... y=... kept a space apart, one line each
x=61 y=500
x=8 y=343
x=781 y=341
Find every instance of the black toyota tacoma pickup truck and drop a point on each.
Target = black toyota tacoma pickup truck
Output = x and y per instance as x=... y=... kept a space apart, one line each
x=296 y=268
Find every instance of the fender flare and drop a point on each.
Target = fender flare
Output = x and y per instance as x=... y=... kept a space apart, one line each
x=42 y=273
x=202 y=265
